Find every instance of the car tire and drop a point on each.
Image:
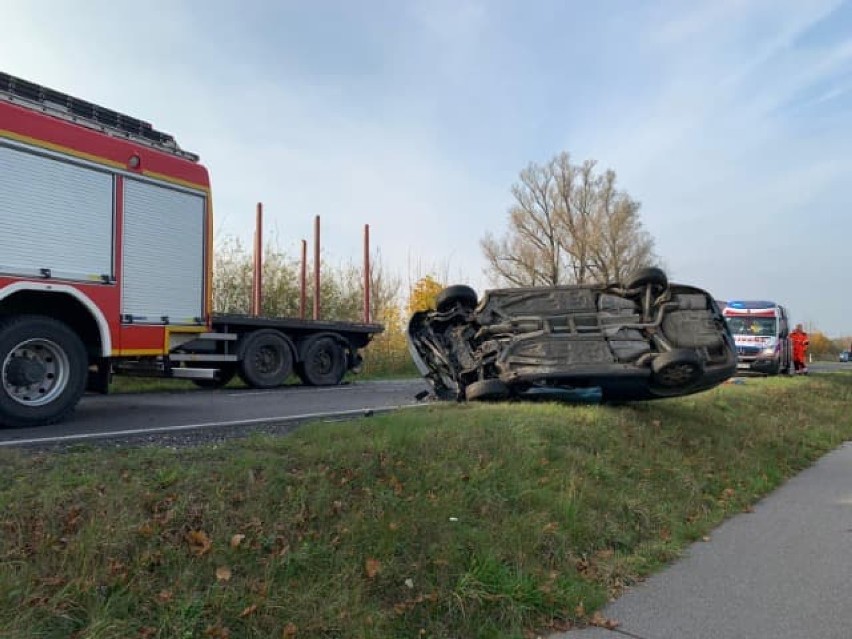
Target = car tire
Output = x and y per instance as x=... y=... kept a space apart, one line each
x=486 y=390
x=676 y=370
x=459 y=294
x=652 y=275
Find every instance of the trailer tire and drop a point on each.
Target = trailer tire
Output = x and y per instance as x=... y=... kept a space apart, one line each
x=43 y=371
x=267 y=359
x=323 y=362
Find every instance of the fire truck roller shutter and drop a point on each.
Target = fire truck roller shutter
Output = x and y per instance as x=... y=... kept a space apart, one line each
x=56 y=217
x=163 y=254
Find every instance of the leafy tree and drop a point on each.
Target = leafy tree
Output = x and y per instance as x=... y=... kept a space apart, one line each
x=423 y=294
x=568 y=224
x=820 y=345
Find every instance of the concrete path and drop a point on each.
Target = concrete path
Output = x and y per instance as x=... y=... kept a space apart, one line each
x=782 y=572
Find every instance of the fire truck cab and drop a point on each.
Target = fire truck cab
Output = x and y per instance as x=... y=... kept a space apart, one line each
x=106 y=266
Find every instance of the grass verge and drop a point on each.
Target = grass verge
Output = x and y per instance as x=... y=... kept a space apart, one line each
x=449 y=521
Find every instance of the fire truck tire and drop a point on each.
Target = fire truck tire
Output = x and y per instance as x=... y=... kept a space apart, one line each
x=267 y=359
x=43 y=371
x=323 y=363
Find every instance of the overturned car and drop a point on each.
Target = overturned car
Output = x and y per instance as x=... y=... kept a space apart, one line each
x=645 y=339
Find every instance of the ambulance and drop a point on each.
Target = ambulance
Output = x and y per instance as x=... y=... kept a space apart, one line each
x=761 y=331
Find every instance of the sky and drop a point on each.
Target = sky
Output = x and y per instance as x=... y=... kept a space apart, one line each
x=729 y=120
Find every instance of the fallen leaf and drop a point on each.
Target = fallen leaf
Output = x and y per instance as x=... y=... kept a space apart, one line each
x=217 y=632
x=164 y=596
x=236 y=540
x=393 y=526
x=665 y=534
x=748 y=509
x=705 y=538
x=248 y=611
x=580 y=610
x=146 y=632
x=146 y=530
x=290 y=630
x=372 y=567
x=199 y=542
x=223 y=573
x=602 y=622
x=551 y=527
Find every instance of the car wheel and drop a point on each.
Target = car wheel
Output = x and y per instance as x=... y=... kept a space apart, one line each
x=678 y=369
x=459 y=294
x=652 y=275
x=486 y=390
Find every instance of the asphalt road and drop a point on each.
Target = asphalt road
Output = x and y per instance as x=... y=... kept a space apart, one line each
x=781 y=572
x=829 y=367
x=217 y=413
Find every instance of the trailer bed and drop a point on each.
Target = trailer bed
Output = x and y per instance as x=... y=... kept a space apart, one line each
x=359 y=333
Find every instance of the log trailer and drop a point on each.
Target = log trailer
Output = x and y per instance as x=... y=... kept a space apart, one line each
x=106 y=255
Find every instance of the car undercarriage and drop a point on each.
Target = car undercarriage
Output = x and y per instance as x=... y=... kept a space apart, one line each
x=643 y=340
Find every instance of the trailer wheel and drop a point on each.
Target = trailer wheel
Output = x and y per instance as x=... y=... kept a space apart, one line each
x=43 y=371
x=323 y=363
x=267 y=359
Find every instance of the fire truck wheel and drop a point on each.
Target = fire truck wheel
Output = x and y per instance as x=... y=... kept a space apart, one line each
x=43 y=371
x=323 y=363
x=267 y=359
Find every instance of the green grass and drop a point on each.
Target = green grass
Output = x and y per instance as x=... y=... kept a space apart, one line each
x=445 y=521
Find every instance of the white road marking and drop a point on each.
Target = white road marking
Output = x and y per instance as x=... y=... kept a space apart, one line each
x=334 y=389
x=240 y=422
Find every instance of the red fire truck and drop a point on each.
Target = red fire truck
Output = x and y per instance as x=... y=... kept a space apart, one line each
x=106 y=256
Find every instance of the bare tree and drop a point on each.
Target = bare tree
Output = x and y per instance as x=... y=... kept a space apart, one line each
x=568 y=224
x=532 y=254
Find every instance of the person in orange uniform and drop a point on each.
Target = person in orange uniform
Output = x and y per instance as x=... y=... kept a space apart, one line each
x=800 y=348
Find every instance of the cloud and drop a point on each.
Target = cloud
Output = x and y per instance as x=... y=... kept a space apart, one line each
x=728 y=120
